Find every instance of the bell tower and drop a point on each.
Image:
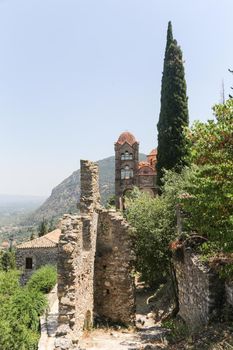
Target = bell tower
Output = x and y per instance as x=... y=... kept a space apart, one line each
x=126 y=162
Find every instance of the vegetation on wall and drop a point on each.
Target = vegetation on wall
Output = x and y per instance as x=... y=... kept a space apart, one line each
x=173 y=111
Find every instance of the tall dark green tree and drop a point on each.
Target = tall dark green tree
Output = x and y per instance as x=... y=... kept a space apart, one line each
x=173 y=111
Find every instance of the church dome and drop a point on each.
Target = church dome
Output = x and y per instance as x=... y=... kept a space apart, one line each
x=126 y=137
x=153 y=152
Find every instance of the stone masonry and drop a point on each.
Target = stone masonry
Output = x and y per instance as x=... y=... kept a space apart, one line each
x=36 y=253
x=203 y=296
x=76 y=265
x=114 y=288
x=40 y=257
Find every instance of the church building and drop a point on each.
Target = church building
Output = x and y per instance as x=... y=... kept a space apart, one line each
x=129 y=172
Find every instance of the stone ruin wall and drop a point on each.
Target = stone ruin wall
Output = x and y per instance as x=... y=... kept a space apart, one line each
x=113 y=283
x=203 y=296
x=76 y=265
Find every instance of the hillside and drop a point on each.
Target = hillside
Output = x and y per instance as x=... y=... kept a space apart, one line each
x=64 y=197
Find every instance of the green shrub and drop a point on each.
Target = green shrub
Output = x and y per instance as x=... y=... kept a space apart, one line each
x=16 y=336
x=7 y=261
x=154 y=221
x=25 y=307
x=20 y=309
x=178 y=330
x=9 y=283
x=44 y=279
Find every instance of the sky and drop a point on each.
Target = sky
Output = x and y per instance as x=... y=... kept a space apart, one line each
x=74 y=74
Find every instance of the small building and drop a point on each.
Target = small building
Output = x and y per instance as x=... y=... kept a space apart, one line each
x=129 y=172
x=38 y=252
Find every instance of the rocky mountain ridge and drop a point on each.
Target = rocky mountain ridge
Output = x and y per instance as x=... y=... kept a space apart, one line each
x=64 y=196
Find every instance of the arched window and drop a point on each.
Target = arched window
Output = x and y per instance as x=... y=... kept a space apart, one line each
x=126 y=172
x=126 y=156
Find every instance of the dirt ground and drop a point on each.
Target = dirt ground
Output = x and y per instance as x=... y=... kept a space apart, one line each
x=146 y=335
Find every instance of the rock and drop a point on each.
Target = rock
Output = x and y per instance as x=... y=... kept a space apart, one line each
x=63 y=330
x=63 y=343
x=152 y=347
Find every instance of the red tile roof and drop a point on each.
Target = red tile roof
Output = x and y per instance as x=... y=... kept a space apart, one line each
x=144 y=164
x=49 y=240
x=126 y=137
x=153 y=152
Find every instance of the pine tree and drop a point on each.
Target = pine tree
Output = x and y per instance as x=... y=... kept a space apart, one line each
x=173 y=111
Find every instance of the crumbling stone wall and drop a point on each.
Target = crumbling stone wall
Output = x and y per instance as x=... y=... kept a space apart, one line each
x=76 y=257
x=114 y=287
x=200 y=291
x=76 y=251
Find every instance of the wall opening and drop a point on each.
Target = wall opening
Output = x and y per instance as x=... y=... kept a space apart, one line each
x=28 y=263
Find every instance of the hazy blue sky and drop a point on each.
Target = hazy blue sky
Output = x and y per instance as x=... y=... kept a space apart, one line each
x=74 y=74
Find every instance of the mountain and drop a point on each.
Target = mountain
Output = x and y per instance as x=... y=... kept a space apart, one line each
x=64 y=197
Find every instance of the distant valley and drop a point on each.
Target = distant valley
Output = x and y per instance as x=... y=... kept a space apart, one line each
x=12 y=207
x=18 y=214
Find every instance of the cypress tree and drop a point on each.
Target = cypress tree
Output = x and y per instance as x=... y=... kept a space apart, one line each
x=173 y=111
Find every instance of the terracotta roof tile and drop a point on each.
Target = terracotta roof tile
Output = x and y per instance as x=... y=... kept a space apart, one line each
x=144 y=164
x=49 y=240
x=126 y=137
x=153 y=152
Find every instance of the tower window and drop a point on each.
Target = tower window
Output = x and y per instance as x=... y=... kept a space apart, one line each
x=126 y=156
x=126 y=172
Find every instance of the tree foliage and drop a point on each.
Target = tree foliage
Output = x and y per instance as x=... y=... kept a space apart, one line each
x=43 y=228
x=174 y=110
x=154 y=220
x=8 y=260
x=20 y=308
x=43 y=280
x=210 y=200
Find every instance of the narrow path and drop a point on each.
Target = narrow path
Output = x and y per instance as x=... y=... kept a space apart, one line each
x=49 y=324
x=52 y=325
x=146 y=336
